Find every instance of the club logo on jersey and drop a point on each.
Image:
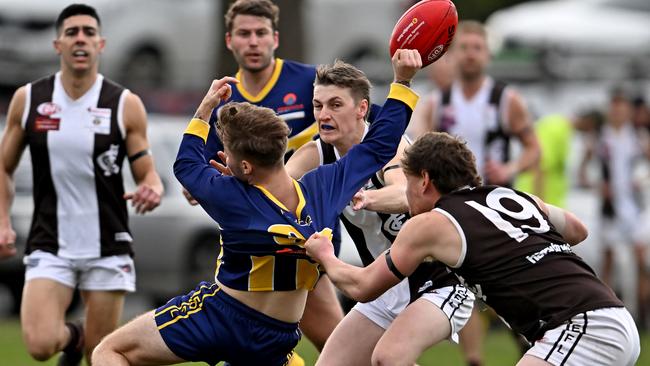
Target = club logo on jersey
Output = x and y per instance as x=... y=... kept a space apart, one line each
x=106 y=160
x=290 y=99
x=44 y=124
x=48 y=109
x=394 y=223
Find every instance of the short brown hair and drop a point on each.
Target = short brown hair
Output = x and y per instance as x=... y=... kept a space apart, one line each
x=253 y=133
x=447 y=159
x=258 y=8
x=472 y=26
x=344 y=75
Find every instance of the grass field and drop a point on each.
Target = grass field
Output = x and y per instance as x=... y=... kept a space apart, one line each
x=499 y=349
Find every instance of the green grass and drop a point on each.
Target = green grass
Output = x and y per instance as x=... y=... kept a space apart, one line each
x=499 y=350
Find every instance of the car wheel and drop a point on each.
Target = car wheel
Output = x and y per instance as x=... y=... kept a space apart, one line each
x=144 y=70
x=202 y=259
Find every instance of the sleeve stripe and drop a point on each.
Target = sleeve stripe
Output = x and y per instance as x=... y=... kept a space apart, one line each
x=198 y=127
x=404 y=94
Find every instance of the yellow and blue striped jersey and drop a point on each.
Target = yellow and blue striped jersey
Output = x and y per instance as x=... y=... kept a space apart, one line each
x=262 y=241
x=289 y=93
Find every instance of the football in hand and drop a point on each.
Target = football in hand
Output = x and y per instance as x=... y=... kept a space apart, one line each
x=428 y=26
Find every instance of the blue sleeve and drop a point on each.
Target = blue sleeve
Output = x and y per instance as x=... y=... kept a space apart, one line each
x=339 y=181
x=192 y=170
x=214 y=144
x=374 y=112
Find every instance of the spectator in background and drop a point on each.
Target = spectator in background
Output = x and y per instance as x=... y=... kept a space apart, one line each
x=589 y=124
x=79 y=126
x=549 y=180
x=620 y=147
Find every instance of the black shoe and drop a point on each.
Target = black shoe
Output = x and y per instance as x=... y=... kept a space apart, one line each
x=73 y=353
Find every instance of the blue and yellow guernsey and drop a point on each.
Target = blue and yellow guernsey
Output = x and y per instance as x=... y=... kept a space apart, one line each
x=262 y=241
x=289 y=93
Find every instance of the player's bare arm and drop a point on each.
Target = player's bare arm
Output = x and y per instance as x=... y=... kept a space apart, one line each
x=359 y=283
x=520 y=126
x=422 y=120
x=150 y=189
x=425 y=237
x=305 y=159
x=11 y=149
x=392 y=197
x=572 y=229
x=415 y=243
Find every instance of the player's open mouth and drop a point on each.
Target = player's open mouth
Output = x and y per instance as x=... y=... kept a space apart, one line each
x=80 y=53
x=326 y=127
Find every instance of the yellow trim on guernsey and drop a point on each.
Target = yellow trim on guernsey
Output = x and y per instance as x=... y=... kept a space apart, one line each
x=308 y=274
x=301 y=198
x=295 y=360
x=198 y=127
x=306 y=135
x=404 y=94
x=260 y=277
x=277 y=69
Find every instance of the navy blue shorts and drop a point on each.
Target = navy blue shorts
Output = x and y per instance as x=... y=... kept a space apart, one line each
x=208 y=325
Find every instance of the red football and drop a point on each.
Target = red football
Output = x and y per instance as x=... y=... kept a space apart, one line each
x=428 y=26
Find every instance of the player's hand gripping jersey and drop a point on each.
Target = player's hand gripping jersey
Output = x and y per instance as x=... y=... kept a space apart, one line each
x=262 y=242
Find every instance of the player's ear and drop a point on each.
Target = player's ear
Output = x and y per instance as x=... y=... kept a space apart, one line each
x=246 y=167
x=276 y=40
x=228 y=37
x=102 y=44
x=425 y=183
x=363 y=109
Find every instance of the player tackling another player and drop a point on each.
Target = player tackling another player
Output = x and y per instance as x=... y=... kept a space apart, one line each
x=510 y=248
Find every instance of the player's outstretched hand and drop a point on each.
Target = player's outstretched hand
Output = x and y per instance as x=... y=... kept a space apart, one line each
x=406 y=64
x=220 y=91
x=144 y=199
x=7 y=242
x=319 y=246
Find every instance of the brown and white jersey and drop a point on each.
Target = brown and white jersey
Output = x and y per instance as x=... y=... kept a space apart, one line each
x=77 y=149
x=514 y=260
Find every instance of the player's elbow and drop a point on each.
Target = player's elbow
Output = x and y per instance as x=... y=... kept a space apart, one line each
x=578 y=232
x=361 y=293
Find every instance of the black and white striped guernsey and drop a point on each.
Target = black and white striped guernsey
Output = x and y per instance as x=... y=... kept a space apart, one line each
x=374 y=232
x=77 y=149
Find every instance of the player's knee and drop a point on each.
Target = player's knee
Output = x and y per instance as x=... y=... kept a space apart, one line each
x=383 y=356
x=40 y=347
x=99 y=353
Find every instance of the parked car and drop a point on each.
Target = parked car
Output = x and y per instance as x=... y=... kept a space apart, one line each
x=149 y=43
x=175 y=245
x=573 y=39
